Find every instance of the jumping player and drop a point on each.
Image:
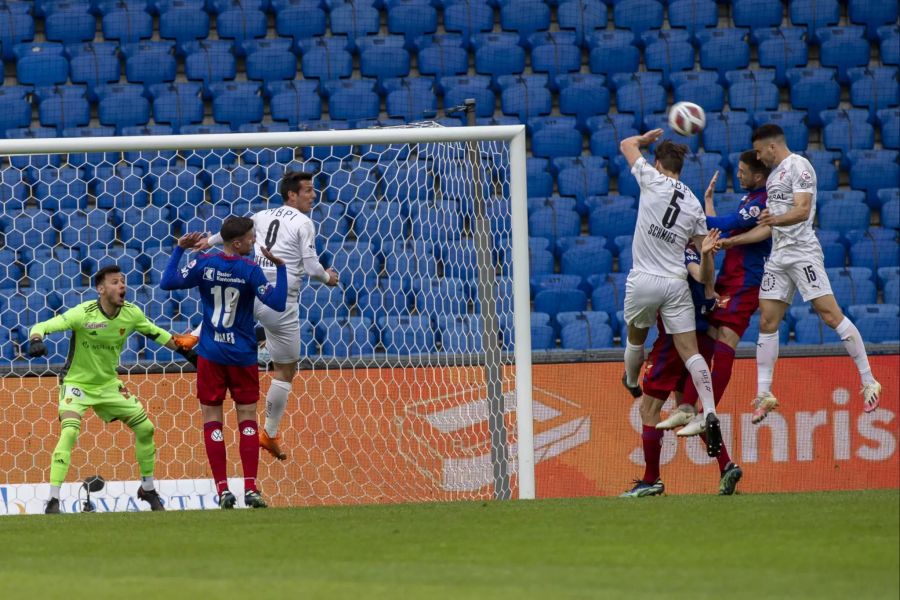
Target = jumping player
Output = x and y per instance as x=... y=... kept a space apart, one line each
x=669 y=216
x=228 y=285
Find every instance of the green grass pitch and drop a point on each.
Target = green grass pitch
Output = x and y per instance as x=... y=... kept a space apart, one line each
x=823 y=545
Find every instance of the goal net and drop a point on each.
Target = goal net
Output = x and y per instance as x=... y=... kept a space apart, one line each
x=414 y=382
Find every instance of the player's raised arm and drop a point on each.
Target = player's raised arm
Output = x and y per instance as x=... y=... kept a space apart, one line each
x=172 y=278
x=275 y=298
x=709 y=198
x=630 y=147
x=64 y=322
x=757 y=234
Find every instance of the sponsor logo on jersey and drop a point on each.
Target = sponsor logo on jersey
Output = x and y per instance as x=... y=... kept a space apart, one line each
x=216 y=435
x=95 y=325
x=248 y=431
x=75 y=392
x=209 y=274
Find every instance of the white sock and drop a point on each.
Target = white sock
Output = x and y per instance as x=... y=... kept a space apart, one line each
x=196 y=331
x=703 y=382
x=54 y=491
x=634 y=358
x=147 y=483
x=766 y=355
x=853 y=342
x=276 y=403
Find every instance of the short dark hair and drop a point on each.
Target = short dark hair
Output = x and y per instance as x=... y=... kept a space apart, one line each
x=671 y=155
x=767 y=131
x=749 y=158
x=100 y=275
x=235 y=227
x=291 y=181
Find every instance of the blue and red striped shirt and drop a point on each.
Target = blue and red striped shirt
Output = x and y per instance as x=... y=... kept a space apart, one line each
x=744 y=265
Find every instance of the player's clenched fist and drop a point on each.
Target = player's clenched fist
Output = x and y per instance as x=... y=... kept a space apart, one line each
x=36 y=347
x=333 y=279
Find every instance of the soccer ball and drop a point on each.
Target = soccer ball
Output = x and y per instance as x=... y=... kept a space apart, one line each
x=686 y=118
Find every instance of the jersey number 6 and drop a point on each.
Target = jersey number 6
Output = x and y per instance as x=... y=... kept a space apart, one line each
x=673 y=210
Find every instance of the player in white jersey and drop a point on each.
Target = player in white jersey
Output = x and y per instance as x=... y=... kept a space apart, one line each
x=669 y=217
x=796 y=263
x=290 y=234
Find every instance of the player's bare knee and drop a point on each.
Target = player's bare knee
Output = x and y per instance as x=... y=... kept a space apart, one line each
x=686 y=344
x=246 y=412
x=829 y=311
x=285 y=371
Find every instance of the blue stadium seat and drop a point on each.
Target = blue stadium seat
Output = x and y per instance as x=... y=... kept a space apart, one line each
x=15 y=107
x=460 y=260
x=638 y=16
x=825 y=198
x=581 y=242
x=552 y=224
x=843 y=48
x=693 y=15
x=60 y=189
x=874 y=254
x=555 y=137
x=383 y=57
x=587 y=177
x=498 y=54
x=877 y=329
x=296 y=101
x=859 y=311
x=792 y=122
x=63 y=107
x=70 y=23
x=612 y=200
x=242 y=23
x=41 y=64
x=270 y=60
x=613 y=52
x=889 y=119
x=387 y=298
x=543 y=337
x=553 y=301
x=460 y=334
x=852 y=289
x=612 y=221
x=699 y=87
x=14 y=192
x=556 y=54
x=236 y=103
x=608 y=295
x=413 y=259
x=724 y=50
x=812 y=330
x=444 y=296
x=872 y=14
x=525 y=96
x=468 y=17
x=782 y=48
x=355 y=21
x=323 y=302
x=406 y=334
x=177 y=104
x=353 y=100
x=886 y=274
x=183 y=21
x=835 y=254
x=411 y=100
x=16 y=26
x=583 y=96
x=150 y=62
x=540 y=182
x=458 y=89
x=892 y=291
x=814 y=90
x=380 y=223
x=890 y=44
x=699 y=168
x=844 y=217
x=127 y=22
x=669 y=52
x=411 y=19
x=874 y=88
x=94 y=64
x=872 y=171
x=300 y=22
x=847 y=130
x=727 y=133
x=814 y=15
x=355 y=262
x=640 y=95
x=890 y=214
x=755 y=14
x=209 y=61
x=443 y=56
x=326 y=58
x=753 y=91
x=122 y=105
x=525 y=17
x=825 y=164
x=586 y=334
x=581 y=16
x=343 y=337
x=606 y=133
x=586 y=261
x=557 y=203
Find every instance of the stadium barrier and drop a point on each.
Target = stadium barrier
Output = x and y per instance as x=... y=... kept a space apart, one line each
x=586 y=438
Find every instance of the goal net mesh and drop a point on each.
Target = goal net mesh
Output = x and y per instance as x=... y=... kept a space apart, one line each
x=404 y=375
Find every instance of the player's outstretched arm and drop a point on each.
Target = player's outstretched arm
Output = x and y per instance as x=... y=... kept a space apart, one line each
x=709 y=199
x=798 y=214
x=172 y=278
x=630 y=147
x=64 y=322
x=757 y=234
x=707 y=245
x=275 y=298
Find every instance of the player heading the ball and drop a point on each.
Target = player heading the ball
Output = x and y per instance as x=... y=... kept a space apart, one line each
x=89 y=379
x=228 y=285
x=669 y=217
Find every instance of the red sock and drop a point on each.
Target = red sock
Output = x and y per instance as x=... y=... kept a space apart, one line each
x=652 y=439
x=249 y=446
x=215 y=452
x=721 y=375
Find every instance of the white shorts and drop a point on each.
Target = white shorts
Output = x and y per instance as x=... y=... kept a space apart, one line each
x=282 y=331
x=648 y=295
x=787 y=272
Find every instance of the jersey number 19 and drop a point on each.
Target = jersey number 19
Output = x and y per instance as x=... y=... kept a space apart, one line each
x=224 y=302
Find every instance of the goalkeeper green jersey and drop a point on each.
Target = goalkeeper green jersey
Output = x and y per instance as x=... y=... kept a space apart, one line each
x=97 y=340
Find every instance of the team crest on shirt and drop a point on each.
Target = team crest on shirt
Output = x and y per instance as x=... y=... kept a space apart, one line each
x=754 y=211
x=781 y=175
x=122 y=331
x=209 y=273
x=187 y=269
x=263 y=289
x=805 y=179
x=768 y=282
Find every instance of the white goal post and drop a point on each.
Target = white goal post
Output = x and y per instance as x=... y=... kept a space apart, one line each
x=500 y=369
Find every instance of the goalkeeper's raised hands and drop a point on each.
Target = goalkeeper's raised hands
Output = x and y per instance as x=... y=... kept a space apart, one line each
x=36 y=347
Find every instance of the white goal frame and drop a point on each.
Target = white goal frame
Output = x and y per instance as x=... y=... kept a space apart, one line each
x=514 y=135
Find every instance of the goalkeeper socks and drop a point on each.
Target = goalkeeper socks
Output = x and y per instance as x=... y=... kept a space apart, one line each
x=652 y=441
x=634 y=358
x=147 y=483
x=276 y=403
x=215 y=452
x=702 y=382
x=54 y=491
x=249 y=448
x=144 y=447
x=723 y=364
x=766 y=355
x=62 y=455
x=855 y=347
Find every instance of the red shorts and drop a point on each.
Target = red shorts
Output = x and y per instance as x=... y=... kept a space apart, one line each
x=213 y=380
x=736 y=315
x=665 y=372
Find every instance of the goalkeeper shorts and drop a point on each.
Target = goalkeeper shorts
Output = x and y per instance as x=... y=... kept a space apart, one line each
x=111 y=402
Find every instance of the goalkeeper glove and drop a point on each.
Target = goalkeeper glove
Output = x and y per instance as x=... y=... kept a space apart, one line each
x=36 y=348
x=189 y=355
x=185 y=341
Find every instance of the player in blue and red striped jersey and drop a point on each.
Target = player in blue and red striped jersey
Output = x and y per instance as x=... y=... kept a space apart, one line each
x=228 y=285
x=747 y=248
x=666 y=374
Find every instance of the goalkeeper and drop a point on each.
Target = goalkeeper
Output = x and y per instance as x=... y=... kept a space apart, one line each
x=89 y=380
